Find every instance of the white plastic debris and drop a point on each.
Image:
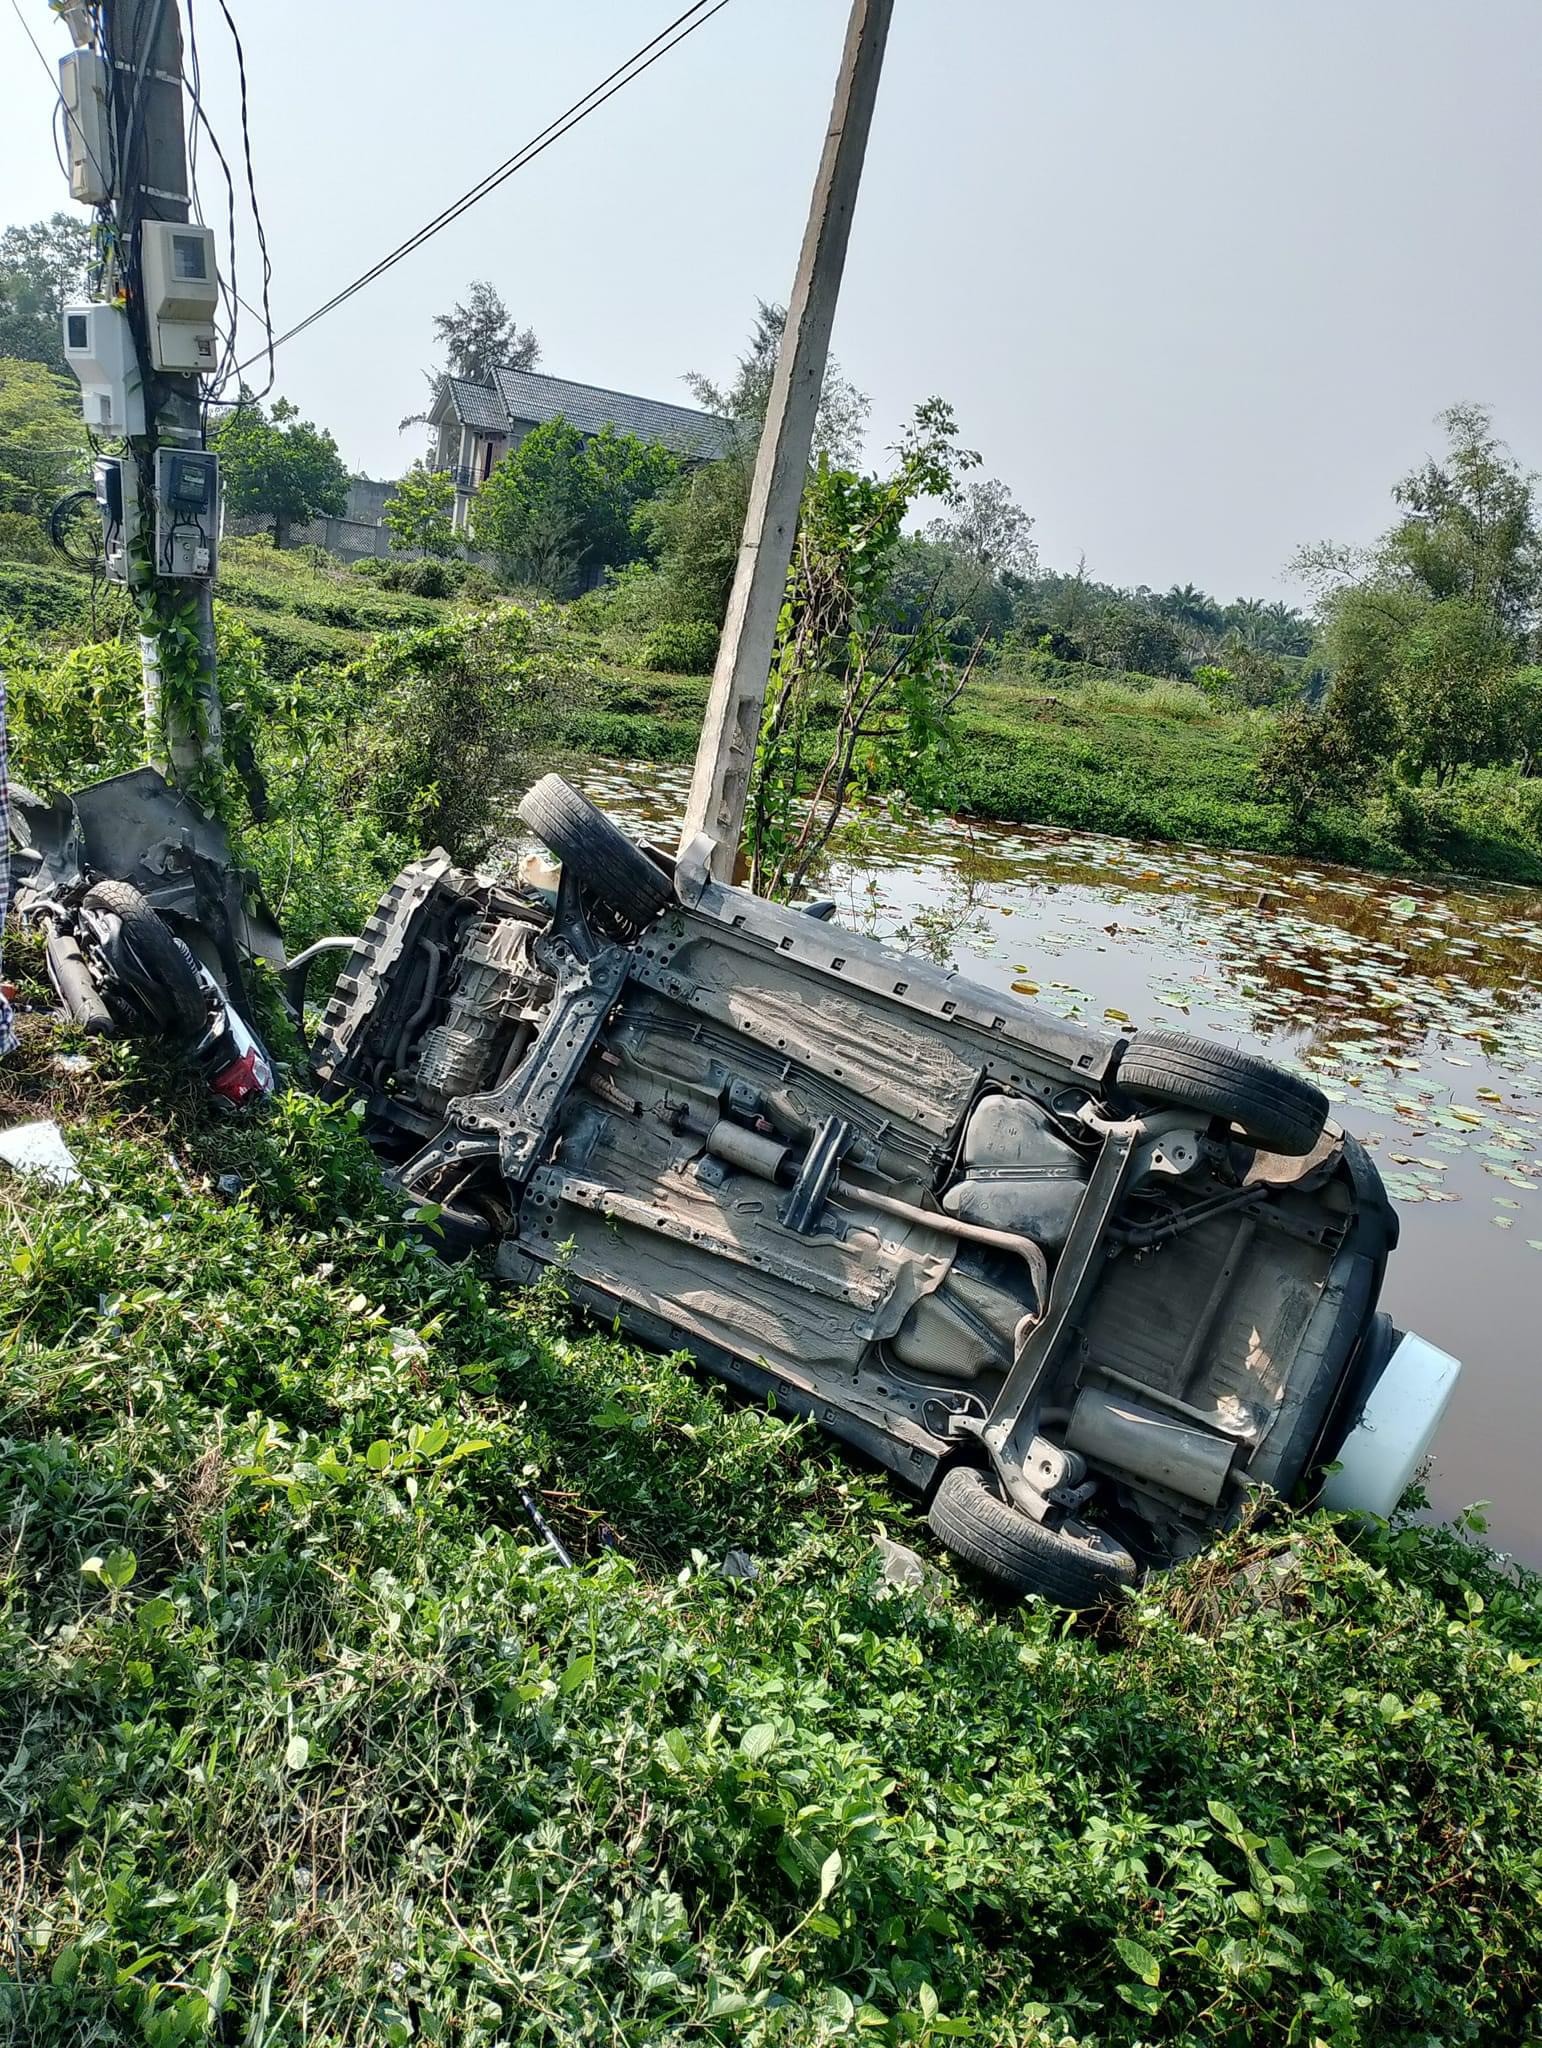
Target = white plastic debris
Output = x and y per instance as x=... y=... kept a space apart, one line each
x=39 y=1148
x=903 y=1567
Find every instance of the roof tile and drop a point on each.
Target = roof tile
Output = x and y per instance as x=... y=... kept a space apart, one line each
x=519 y=395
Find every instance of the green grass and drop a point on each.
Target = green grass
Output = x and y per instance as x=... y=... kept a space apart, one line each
x=309 y=1740
x=1090 y=751
x=1151 y=760
x=303 y=612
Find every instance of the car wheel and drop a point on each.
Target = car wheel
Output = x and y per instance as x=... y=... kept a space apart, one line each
x=595 y=852
x=147 y=959
x=1274 y=1110
x=1074 y=1565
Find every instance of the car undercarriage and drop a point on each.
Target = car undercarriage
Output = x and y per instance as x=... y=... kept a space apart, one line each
x=1085 y=1292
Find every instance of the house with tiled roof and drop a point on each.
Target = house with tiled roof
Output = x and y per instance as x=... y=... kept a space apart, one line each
x=474 y=425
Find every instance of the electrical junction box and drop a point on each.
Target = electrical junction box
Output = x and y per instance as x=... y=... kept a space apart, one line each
x=181 y=293
x=187 y=498
x=114 y=480
x=83 y=89
x=99 y=348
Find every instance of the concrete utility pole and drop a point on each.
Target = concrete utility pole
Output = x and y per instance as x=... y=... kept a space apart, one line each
x=143 y=46
x=720 y=784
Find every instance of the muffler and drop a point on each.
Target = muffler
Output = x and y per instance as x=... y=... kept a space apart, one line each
x=1109 y=1429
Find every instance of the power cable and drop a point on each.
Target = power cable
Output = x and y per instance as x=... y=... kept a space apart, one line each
x=192 y=78
x=251 y=190
x=623 y=75
x=37 y=46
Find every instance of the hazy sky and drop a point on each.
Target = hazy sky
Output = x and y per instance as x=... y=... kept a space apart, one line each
x=1196 y=276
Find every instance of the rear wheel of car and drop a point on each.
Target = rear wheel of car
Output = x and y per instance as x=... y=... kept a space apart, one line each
x=595 y=852
x=1074 y=1565
x=1276 y=1111
x=148 y=960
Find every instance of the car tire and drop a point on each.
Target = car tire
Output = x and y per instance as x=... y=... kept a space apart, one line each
x=1276 y=1111
x=1073 y=1566
x=595 y=852
x=149 y=961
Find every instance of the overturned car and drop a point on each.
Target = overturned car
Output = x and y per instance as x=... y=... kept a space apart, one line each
x=1085 y=1292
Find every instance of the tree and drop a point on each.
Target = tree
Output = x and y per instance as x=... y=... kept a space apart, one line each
x=1334 y=752
x=843 y=409
x=933 y=580
x=43 y=446
x=419 y=514
x=481 y=335
x=1266 y=628
x=854 y=707
x=42 y=267
x=1470 y=526
x=277 y=466
x=1188 y=606
x=1450 y=690
x=1423 y=631
x=987 y=524
x=695 y=529
x=563 y=505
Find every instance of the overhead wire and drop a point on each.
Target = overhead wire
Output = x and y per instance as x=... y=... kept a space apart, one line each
x=192 y=78
x=615 y=81
x=251 y=189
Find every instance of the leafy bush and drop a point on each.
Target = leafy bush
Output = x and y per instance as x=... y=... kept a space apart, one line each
x=23 y=538
x=73 y=717
x=451 y=717
x=688 y=648
x=564 y=504
x=476 y=586
x=430 y=577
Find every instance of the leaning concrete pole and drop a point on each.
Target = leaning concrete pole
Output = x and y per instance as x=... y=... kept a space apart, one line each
x=720 y=783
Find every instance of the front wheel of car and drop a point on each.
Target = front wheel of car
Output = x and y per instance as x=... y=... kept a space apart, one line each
x=598 y=854
x=1073 y=1565
x=1276 y=1111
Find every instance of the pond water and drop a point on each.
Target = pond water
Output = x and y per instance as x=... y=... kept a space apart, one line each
x=1416 y=1007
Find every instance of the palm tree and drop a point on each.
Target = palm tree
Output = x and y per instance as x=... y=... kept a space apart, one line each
x=1189 y=606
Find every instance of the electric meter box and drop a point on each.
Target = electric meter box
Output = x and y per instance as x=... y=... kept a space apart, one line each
x=187 y=502
x=181 y=293
x=83 y=89
x=115 y=487
x=99 y=348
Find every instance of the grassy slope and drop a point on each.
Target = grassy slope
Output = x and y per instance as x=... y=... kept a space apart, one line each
x=315 y=1743
x=1110 y=759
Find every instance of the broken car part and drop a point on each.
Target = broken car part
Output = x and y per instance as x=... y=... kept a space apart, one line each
x=149 y=927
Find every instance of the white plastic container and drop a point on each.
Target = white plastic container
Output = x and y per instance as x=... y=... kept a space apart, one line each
x=1396 y=1427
